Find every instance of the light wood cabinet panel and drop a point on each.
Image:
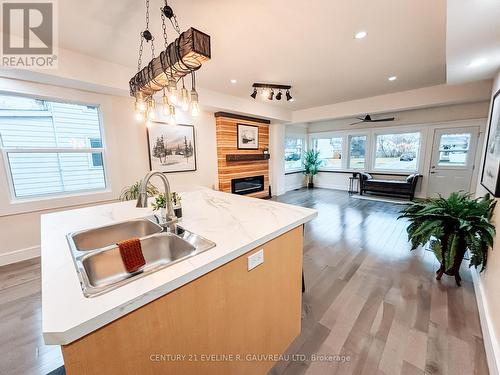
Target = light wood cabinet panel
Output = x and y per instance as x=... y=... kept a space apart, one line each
x=229 y=311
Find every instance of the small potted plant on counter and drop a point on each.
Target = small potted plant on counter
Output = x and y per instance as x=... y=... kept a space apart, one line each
x=452 y=226
x=311 y=166
x=129 y=193
x=160 y=204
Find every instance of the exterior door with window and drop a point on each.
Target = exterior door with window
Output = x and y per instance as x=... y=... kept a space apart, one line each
x=453 y=158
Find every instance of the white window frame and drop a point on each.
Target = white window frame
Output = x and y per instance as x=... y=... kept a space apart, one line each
x=342 y=155
x=56 y=196
x=305 y=148
x=345 y=135
x=387 y=131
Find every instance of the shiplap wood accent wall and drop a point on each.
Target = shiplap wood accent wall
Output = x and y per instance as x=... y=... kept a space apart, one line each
x=227 y=143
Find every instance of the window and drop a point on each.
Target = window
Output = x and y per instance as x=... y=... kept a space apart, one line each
x=330 y=151
x=397 y=152
x=294 y=148
x=453 y=150
x=357 y=151
x=51 y=148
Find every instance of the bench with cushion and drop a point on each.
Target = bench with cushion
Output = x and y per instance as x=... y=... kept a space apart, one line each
x=388 y=187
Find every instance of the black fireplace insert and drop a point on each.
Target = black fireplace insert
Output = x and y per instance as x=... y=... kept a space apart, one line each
x=247 y=185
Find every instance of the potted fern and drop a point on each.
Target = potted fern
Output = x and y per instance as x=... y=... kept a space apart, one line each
x=311 y=164
x=452 y=226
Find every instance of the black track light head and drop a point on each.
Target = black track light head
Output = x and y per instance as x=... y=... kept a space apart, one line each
x=271 y=95
x=278 y=95
x=254 y=93
x=288 y=96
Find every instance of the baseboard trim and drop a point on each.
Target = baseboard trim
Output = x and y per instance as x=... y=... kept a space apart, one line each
x=294 y=187
x=19 y=255
x=489 y=337
x=330 y=186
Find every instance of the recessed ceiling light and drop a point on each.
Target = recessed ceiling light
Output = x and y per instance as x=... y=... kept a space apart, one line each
x=392 y=78
x=360 y=34
x=477 y=62
x=233 y=81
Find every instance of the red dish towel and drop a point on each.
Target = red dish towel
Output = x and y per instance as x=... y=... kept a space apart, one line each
x=131 y=253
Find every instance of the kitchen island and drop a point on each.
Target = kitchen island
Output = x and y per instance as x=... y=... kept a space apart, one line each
x=206 y=314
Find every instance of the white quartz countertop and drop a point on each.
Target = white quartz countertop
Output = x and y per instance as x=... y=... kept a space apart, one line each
x=235 y=223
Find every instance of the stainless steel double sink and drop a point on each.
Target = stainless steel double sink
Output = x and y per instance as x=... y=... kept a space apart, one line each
x=98 y=261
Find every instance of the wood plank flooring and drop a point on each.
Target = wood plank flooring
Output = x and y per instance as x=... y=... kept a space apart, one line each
x=22 y=350
x=368 y=298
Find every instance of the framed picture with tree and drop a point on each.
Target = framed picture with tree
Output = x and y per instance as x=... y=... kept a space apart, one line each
x=171 y=148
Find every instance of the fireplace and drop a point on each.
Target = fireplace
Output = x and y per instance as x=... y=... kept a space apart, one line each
x=247 y=185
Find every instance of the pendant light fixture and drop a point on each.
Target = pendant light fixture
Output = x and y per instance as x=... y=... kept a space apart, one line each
x=195 y=110
x=181 y=57
x=184 y=97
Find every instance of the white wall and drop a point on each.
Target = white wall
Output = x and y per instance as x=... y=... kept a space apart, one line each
x=487 y=285
x=126 y=161
x=424 y=120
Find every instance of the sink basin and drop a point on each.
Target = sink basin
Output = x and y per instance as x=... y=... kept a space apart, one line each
x=111 y=234
x=106 y=268
x=98 y=261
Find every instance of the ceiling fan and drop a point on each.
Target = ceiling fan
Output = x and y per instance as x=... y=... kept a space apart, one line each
x=368 y=118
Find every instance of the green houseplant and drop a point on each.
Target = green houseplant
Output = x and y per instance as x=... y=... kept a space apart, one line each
x=311 y=164
x=452 y=226
x=131 y=192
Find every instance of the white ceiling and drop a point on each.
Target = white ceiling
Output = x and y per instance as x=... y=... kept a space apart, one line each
x=473 y=40
x=309 y=45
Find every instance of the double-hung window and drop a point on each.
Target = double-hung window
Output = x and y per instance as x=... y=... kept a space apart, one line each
x=397 y=151
x=294 y=148
x=51 y=148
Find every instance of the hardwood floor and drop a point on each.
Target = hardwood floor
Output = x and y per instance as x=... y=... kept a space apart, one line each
x=368 y=298
x=22 y=350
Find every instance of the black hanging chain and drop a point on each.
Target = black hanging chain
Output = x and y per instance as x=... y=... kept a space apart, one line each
x=169 y=13
x=164 y=27
x=141 y=47
x=146 y=35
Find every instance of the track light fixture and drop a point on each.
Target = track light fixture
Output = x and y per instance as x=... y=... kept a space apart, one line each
x=267 y=91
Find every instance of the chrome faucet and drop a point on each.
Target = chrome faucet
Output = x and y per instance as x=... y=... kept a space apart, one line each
x=142 y=201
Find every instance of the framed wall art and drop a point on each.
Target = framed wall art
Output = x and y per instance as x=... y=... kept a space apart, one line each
x=491 y=167
x=171 y=148
x=248 y=137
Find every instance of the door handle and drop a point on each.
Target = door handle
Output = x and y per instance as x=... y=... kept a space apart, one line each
x=432 y=172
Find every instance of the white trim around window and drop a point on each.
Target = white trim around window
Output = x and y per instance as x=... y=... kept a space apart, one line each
x=370 y=148
x=10 y=204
